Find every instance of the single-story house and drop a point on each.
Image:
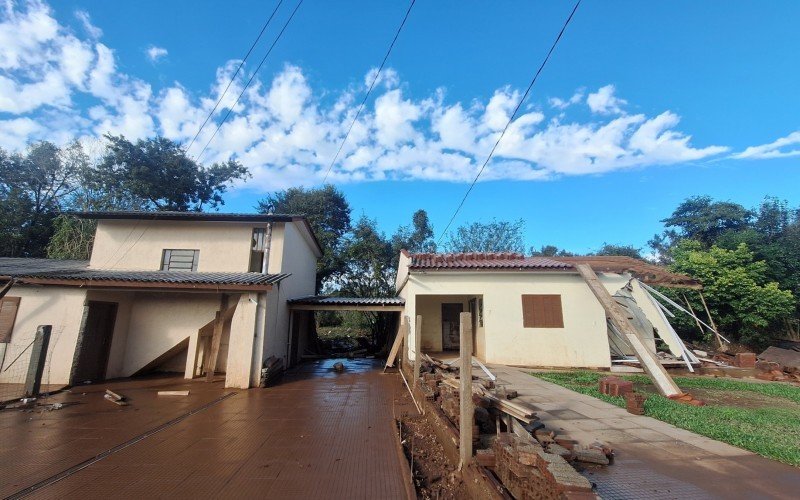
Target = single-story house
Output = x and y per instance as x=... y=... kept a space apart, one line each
x=531 y=311
x=175 y=291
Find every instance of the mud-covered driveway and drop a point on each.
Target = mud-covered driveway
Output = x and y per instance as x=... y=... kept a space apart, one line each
x=317 y=434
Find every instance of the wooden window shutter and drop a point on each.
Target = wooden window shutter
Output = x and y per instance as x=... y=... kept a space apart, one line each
x=180 y=260
x=8 y=314
x=542 y=311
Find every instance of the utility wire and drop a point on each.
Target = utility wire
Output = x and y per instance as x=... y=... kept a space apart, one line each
x=264 y=28
x=510 y=120
x=274 y=42
x=369 y=90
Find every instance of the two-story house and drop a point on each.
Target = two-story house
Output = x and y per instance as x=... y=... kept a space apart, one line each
x=174 y=291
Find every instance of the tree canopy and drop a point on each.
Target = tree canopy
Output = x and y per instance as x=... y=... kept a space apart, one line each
x=328 y=213
x=495 y=236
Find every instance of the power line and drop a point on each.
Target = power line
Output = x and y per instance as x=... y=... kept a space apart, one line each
x=510 y=120
x=264 y=28
x=369 y=90
x=274 y=42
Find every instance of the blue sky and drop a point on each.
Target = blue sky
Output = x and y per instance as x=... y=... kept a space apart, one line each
x=642 y=105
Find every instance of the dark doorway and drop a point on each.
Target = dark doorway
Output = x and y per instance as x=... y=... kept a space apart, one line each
x=450 y=326
x=95 y=342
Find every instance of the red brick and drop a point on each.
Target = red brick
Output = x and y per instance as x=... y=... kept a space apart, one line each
x=745 y=360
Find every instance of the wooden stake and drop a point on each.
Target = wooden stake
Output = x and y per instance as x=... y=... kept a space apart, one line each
x=398 y=340
x=467 y=413
x=710 y=319
x=697 y=321
x=417 y=350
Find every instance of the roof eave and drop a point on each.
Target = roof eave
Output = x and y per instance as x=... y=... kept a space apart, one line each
x=144 y=285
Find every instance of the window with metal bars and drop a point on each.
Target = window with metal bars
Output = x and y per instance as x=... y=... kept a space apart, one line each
x=180 y=260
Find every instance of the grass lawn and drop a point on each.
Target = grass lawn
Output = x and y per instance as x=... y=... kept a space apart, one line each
x=761 y=417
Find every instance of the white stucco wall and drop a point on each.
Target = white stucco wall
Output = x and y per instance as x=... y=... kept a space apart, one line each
x=159 y=321
x=60 y=307
x=139 y=245
x=291 y=253
x=582 y=342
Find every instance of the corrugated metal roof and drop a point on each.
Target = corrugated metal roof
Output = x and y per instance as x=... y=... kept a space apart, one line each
x=325 y=300
x=504 y=260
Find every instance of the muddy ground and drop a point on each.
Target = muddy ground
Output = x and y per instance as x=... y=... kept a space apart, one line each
x=434 y=475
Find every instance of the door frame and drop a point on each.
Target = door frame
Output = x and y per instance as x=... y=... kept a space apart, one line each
x=82 y=335
x=461 y=309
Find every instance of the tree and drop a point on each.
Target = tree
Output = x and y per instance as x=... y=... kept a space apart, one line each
x=417 y=238
x=33 y=185
x=621 y=250
x=328 y=213
x=550 y=251
x=368 y=272
x=156 y=174
x=703 y=219
x=745 y=304
x=495 y=236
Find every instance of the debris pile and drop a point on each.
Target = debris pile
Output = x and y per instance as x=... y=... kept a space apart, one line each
x=779 y=364
x=529 y=471
x=271 y=372
x=510 y=440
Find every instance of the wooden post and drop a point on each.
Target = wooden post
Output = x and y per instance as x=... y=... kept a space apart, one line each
x=467 y=414
x=697 y=321
x=619 y=319
x=710 y=319
x=398 y=341
x=33 y=381
x=417 y=350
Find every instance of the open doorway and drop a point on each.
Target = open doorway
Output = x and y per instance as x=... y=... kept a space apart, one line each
x=451 y=321
x=94 y=345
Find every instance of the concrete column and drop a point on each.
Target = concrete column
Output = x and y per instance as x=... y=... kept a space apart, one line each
x=240 y=344
x=417 y=349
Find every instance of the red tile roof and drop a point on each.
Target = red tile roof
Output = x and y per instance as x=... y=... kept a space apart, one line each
x=643 y=270
x=503 y=260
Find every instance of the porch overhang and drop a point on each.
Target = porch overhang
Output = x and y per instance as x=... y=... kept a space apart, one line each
x=363 y=304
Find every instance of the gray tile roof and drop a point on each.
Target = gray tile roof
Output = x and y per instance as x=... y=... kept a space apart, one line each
x=76 y=270
x=187 y=216
x=12 y=266
x=324 y=300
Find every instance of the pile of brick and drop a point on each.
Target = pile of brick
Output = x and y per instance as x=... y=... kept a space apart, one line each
x=529 y=472
x=634 y=402
x=776 y=364
x=615 y=386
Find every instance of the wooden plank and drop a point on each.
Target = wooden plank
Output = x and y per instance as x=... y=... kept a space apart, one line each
x=406 y=345
x=711 y=320
x=398 y=341
x=649 y=362
x=417 y=349
x=467 y=412
x=216 y=340
x=173 y=393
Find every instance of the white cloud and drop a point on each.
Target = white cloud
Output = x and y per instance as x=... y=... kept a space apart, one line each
x=156 y=53
x=604 y=101
x=558 y=103
x=286 y=131
x=86 y=21
x=775 y=149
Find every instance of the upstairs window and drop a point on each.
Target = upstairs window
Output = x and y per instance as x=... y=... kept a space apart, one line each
x=542 y=311
x=257 y=247
x=180 y=260
x=8 y=314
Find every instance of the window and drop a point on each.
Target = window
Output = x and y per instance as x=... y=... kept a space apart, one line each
x=8 y=314
x=180 y=260
x=257 y=250
x=542 y=311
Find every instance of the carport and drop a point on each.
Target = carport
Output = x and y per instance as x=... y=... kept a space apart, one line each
x=301 y=317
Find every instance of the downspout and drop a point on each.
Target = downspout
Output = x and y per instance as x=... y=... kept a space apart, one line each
x=259 y=340
x=267 y=245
